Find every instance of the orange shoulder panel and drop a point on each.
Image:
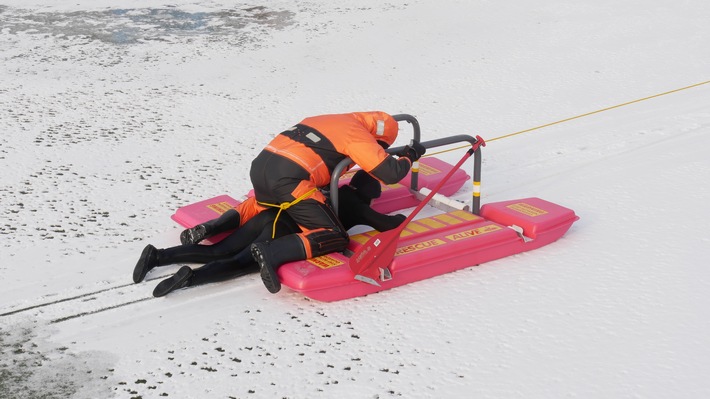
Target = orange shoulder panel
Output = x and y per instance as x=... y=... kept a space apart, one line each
x=355 y=135
x=302 y=155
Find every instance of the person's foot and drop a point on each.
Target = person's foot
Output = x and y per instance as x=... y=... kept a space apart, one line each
x=146 y=263
x=261 y=254
x=193 y=235
x=179 y=280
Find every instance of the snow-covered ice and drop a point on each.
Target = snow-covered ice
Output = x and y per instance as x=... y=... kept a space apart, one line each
x=115 y=113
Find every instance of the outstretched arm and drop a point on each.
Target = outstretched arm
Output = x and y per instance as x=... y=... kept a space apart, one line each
x=355 y=211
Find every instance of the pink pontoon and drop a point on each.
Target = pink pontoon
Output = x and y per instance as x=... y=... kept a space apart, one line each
x=454 y=235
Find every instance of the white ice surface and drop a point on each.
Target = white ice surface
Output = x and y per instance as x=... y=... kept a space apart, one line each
x=115 y=113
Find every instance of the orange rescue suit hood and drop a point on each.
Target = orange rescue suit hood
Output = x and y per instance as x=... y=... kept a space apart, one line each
x=381 y=125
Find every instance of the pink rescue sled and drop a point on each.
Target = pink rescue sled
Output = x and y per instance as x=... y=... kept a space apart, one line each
x=460 y=236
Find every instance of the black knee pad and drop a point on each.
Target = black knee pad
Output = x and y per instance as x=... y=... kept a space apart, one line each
x=326 y=241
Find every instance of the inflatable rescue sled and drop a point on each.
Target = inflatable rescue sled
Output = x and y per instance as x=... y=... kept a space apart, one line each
x=452 y=237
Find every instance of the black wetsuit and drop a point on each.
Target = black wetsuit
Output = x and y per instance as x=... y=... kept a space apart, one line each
x=231 y=257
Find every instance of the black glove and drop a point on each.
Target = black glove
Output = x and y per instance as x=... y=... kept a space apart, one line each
x=413 y=151
x=399 y=218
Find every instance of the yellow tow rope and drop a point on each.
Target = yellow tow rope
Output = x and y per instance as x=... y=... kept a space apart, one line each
x=575 y=117
x=286 y=205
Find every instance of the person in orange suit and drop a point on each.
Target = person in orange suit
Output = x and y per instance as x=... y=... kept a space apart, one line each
x=293 y=166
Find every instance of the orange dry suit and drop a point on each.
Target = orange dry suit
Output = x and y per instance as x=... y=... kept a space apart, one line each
x=301 y=159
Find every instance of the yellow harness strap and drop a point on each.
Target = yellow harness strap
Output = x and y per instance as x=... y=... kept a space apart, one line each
x=286 y=205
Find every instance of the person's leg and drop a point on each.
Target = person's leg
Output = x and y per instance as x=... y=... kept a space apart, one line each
x=278 y=180
x=193 y=253
x=229 y=220
x=221 y=270
x=215 y=271
x=322 y=234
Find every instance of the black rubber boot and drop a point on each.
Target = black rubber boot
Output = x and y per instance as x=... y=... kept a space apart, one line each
x=179 y=280
x=193 y=235
x=262 y=255
x=271 y=255
x=146 y=263
x=229 y=220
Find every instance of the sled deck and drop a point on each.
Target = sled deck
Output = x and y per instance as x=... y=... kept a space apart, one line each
x=436 y=245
